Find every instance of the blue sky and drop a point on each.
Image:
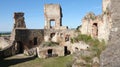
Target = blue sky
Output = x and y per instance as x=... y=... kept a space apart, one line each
x=73 y=11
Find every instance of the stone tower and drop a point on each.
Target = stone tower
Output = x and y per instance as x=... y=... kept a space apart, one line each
x=52 y=12
x=19 y=20
x=19 y=23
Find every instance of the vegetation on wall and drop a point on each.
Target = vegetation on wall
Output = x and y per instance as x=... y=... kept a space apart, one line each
x=95 y=44
x=96 y=47
x=107 y=12
x=92 y=17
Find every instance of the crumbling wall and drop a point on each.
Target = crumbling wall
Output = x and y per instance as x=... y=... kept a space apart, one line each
x=56 y=51
x=91 y=25
x=19 y=23
x=8 y=51
x=97 y=26
x=53 y=12
x=29 y=38
x=106 y=20
x=110 y=57
x=4 y=42
x=60 y=36
x=19 y=20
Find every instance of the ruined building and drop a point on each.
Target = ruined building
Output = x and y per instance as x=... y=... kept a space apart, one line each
x=91 y=25
x=54 y=33
x=38 y=41
x=98 y=26
x=25 y=39
x=19 y=20
x=19 y=23
x=30 y=41
x=53 y=13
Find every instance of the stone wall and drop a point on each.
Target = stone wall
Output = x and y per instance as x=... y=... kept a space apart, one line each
x=53 y=12
x=110 y=57
x=29 y=38
x=19 y=23
x=92 y=25
x=98 y=26
x=43 y=52
x=59 y=35
x=19 y=20
x=8 y=51
x=106 y=20
x=4 y=42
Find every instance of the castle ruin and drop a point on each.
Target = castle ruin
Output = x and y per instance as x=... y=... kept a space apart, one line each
x=53 y=13
x=98 y=26
x=30 y=41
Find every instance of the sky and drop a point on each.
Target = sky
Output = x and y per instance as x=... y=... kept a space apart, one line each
x=73 y=11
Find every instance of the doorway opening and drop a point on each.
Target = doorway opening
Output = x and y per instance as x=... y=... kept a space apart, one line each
x=95 y=30
x=49 y=52
x=19 y=47
x=66 y=51
x=35 y=41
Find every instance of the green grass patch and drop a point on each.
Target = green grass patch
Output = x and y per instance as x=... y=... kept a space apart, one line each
x=56 y=62
x=62 y=61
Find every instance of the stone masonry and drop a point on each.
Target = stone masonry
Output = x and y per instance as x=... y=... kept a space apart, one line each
x=92 y=25
x=53 y=12
x=110 y=57
x=19 y=20
x=98 y=26
x=19 y=23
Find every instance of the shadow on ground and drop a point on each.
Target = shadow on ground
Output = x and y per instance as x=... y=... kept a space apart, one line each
x=9 y=62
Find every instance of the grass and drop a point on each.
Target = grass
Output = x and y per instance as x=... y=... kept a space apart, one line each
x=49 y=62
x=57 y=62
